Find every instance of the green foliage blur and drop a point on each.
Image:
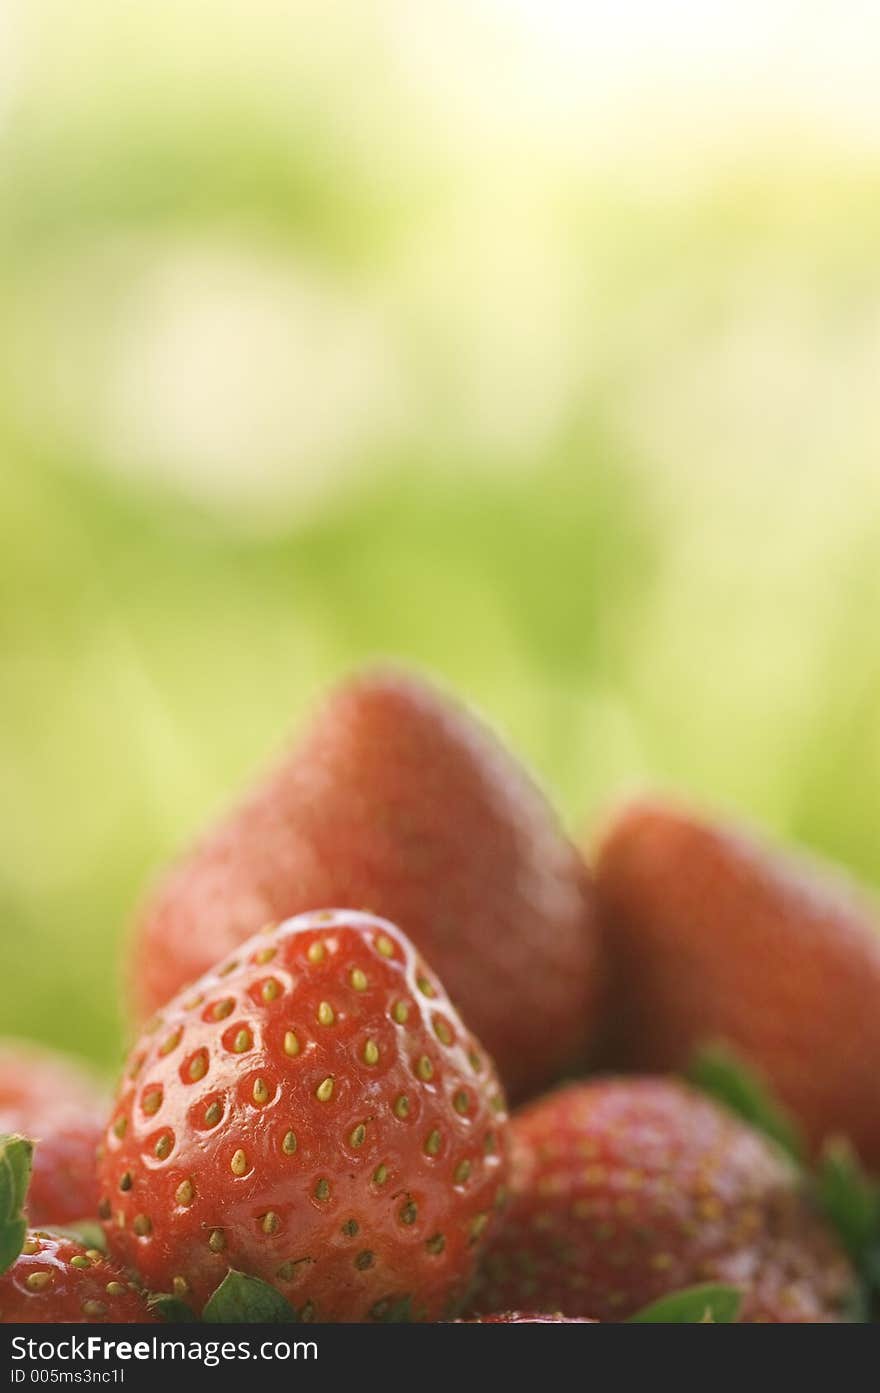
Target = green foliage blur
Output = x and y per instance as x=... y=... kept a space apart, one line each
x=327 y=332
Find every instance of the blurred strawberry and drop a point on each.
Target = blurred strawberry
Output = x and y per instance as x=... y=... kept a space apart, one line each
x=714 y=938
x=627 y=1190
x=48 y=1097
x=398 y=801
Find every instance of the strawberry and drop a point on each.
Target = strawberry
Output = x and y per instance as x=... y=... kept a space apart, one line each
x=400 y=802
x=56 y=1279
x=312 y=1113
x=46 y=1096
x=526 y=1318
x=51 y=1277
x=715 y=938
x=65 y=1188
x=624 y=1190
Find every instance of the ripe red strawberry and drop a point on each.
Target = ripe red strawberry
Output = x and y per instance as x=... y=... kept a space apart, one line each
x=715 y=938
x=312 y=1113
x=397 y=801
x=58 y=1280
x=47 y=1097
x=526 y=1318
x=625 y=1190
x=49 y=1277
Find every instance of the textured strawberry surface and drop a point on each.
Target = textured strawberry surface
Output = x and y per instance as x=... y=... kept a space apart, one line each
x=527 y=1318
x=47 y=1098
x=56 y=1279
x=626 y=1190
x=399 y=802
x=714 y=937
x=312 y=1112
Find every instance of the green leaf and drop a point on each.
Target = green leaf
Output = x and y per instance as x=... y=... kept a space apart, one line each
x=718 y=1071
x=849 y=1198
x=703 y=1305
x=15 y=1173
x=171 y=1310
x=243 y=1300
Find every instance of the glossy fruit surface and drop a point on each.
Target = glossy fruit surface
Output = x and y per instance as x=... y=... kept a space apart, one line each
x=57 y=1280
x=47 y=1097
x=527 y=1318
x=314 y=1113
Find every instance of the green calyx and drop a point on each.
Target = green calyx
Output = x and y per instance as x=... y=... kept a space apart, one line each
x=238 y=1300
x=845 y=1194
x=708 y=1304
x=15 y=1173
x=850 y=1200
x=244 y=1300
x=717 y=1070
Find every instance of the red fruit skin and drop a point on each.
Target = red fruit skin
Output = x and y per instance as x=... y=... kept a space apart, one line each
x=527 y=1318
x=625 y=1190
x=64 y=1187
x=713 y=937
x=398 y=801
x=310 y=1172
x=44 y=1285
x=49 y=1099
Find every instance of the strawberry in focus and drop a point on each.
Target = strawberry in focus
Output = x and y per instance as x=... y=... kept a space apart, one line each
x=47 y=1277
x=56 y=1279
x=715 y=938
x=312 y=1113
x=624 y=1190
x=400 y=802
x=47 y=1097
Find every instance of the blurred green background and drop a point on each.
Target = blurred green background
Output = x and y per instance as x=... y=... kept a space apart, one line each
x=537 y=344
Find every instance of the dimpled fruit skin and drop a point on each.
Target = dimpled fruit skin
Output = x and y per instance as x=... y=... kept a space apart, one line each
x=399 y=802
x=314 y=1113
x=719 y=939
x=55 y=1279
x=50 y=1100
x=623 y=1191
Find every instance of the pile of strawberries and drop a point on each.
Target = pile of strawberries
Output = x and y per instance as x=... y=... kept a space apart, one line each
x=344 y=983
